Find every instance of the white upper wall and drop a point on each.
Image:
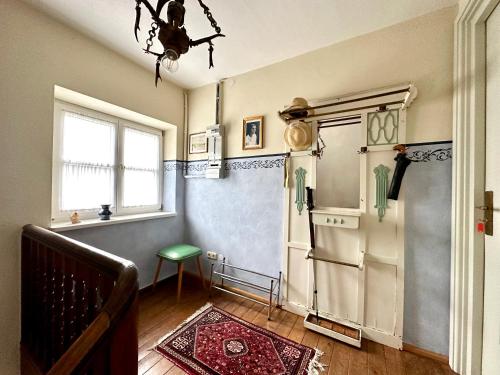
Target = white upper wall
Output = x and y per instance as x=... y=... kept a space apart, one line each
x=38 y=53
x=419 y=51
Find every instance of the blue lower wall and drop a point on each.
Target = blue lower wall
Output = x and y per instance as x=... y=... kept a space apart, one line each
x=428 y=247
x=239 y=216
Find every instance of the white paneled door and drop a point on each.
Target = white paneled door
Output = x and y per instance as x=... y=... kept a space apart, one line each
x=491 y=324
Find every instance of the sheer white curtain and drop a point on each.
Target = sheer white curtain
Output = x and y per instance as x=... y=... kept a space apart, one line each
x=141 y=174
x=88 y=162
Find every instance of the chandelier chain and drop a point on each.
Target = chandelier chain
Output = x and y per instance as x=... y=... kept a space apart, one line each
x=207 y=12
x=152 y=34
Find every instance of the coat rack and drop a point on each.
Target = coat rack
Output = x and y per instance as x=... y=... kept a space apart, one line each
x=402 y=96
x=360 y=255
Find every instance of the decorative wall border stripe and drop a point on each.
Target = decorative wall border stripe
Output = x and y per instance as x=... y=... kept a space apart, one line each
x=199 y=166
x=173 y=165
x=441 y=154
x=278 y=160
x=430 y=154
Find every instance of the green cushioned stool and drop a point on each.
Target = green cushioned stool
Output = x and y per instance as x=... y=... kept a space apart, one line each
x=178 y=254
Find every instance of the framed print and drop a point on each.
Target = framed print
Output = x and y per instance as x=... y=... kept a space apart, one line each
x=198 y=143
x=253 y=132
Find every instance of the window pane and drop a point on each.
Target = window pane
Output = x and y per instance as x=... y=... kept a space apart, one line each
x=141 y=156
x=86 y=187
x=88 y=158
x=88 y=140
x=140 y=188
x=141 y=149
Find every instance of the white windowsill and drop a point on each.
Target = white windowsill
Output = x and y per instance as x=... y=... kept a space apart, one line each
x=66 y=225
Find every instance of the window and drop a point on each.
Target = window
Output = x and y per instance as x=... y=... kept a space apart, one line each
x=100 y=159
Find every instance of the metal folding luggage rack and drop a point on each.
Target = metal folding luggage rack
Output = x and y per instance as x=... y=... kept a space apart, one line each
x=273 y=291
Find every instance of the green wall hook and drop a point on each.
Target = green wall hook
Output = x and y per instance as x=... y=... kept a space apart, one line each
x=382 y=178
x=300 y=197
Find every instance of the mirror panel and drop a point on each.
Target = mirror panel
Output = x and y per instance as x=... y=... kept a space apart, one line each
x=338 y=170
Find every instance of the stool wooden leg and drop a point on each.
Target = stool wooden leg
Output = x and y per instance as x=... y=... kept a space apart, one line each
x=157 y=274
x=180 y=270
x=201 y=272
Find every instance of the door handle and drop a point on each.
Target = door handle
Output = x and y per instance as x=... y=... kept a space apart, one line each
x=487 y=209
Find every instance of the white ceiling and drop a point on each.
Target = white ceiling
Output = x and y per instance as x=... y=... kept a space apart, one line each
x=259 y=32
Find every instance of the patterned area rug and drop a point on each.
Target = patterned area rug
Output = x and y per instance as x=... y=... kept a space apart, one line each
x=213 y=341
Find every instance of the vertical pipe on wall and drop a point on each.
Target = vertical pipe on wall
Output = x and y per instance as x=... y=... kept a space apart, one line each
x=186 y=130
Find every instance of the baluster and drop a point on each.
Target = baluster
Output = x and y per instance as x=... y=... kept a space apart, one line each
x=78 y=298
x=81 y=299
x=93 y=295
x=106 y=285
x=69 y=300
x=83 y=311
x=99 y=293
x=60 y=306
x=53 y=308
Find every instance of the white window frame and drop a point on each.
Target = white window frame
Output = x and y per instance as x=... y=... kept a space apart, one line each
x=120 y=124
x=119 y=176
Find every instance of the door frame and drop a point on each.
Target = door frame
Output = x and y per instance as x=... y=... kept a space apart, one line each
x=469 y=124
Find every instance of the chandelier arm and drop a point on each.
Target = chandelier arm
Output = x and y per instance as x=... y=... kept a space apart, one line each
x=152 y=10
x=210 y=55
x=137 y=19
x=207 y=12
x=157 y=71
x=154 y=53
x=160 y=5
x=208 y=39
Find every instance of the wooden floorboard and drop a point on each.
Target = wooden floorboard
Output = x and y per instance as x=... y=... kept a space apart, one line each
x=394 y=361
x=159 y=314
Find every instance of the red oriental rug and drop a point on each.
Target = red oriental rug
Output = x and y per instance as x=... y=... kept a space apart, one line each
x=213 y=341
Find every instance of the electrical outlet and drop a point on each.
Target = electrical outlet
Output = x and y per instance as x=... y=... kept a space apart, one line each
x=212 y=255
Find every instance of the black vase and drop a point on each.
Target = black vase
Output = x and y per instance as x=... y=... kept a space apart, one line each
x=104 y=213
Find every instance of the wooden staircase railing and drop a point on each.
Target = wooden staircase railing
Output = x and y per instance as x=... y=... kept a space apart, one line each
x=78 y=308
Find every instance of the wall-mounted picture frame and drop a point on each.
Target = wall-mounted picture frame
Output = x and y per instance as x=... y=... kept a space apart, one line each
x=198 y=143
x=253 y=132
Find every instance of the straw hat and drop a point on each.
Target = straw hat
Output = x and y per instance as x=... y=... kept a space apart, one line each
x=296 y=105
x=298 y=136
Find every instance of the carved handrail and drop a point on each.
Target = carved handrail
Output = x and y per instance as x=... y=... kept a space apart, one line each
x=89 y=295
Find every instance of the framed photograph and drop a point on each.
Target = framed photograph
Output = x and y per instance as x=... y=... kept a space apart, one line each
x=198 y=143
x=253 y=132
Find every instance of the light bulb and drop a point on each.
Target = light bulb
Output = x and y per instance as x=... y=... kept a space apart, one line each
x=170 y=61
